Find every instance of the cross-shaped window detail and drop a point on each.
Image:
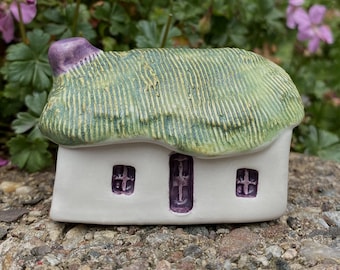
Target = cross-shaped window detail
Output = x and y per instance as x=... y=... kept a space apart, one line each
x=181 y=183
x=246 y=182
x=123 y=179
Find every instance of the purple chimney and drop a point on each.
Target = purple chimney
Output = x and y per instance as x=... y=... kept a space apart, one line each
x=67 y=53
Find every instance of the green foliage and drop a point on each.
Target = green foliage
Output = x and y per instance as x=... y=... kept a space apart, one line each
x=27 y=70
x=62 y=25
x=259 y=25
x=29 y=154
x=151 y=36
x=246 y=24
x=26 y=121
x=113 y=17
x=27 y=66
x=321 y=143
x=30 y=151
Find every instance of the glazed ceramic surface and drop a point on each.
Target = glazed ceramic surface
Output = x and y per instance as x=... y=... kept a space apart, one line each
x=206 y=102
x=83 y=186
x=168 y=136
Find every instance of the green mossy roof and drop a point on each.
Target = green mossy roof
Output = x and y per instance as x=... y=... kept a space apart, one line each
x=206 y=102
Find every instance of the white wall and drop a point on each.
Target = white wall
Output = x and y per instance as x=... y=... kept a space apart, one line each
x=82 y=191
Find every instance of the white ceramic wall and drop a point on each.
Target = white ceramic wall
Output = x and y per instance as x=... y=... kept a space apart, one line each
x=82 y=191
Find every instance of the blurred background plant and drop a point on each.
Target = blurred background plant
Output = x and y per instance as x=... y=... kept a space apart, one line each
x=300 y=35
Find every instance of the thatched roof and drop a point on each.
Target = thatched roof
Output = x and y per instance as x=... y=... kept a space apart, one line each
x=206 y=102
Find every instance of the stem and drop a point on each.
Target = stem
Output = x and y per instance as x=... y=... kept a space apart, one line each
x=166 y=32
x=21 y=25
x=75 y=19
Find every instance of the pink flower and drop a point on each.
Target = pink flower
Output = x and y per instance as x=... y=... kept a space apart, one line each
x=28 y=9
x=295 y=13
x=3 y=162
x=6 y=23
x=7 y=13
x=312 y=30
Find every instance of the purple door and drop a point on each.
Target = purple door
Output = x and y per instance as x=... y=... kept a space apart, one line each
x=181 y=183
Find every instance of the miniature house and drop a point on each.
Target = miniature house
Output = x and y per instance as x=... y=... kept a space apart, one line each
x=168 y=136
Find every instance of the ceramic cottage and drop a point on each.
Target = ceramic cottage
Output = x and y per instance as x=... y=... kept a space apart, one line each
x=168 y=136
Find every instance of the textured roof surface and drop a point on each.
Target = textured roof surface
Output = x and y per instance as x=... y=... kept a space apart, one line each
x=208 y=102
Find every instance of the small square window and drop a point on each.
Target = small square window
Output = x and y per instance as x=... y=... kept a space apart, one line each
x=123 y=179
x=246 y=183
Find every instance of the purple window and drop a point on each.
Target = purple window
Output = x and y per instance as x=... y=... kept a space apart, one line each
x=123 y=179
x=246 y=182
x=181 y=183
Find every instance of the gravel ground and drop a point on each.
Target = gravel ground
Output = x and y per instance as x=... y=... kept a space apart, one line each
x=307 y=236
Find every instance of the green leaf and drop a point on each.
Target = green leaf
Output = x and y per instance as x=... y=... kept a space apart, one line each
x=103 y=11
x=184 y=10
x=63 y=22
x=9 y=107
x=36 y=102
x=56 y=29
x=273 y=19
x=285 y=51
x=31 y=73
x=16 y=91
x=28 y=64
x=331 y=153
x=28 y=120
x=24 y=122
x=118 y=20
x=150 y=35
x=31 y=155
x=35 y=133
x=109 y=43
x=326 y=139
x=322 y=143
x=115 y=15
x=53 y=15
x=238 y=34
x=19 y=52
x=38 y=41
